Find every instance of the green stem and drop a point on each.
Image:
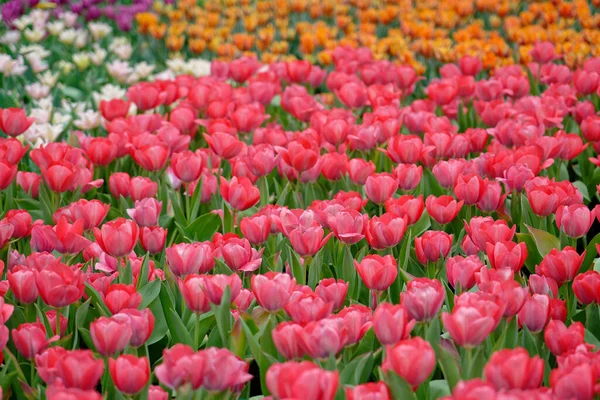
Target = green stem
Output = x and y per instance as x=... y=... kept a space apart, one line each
x=197 y=332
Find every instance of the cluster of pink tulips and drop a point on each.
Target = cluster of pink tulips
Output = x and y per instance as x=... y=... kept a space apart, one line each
x=297 y=233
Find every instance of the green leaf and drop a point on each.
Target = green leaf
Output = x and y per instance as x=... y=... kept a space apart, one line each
x=87 y=338
x=144 y=272
x=438 y=389
x=399 y=388
x=433 y=333
x=160 y=323
x=97 y=300
x=544 y=241
x=591 y=339
x=283 y=195
x=126 y=274
x=583 y=189
x=179 y=334
x=149 y=292
x=353 y=371
x=223 y=316
x=590 y=253
x=448 y=365
x=421 y=225
x=349 y=273
x=204 y=227
x=533 y=255
x=44 y=318
x=314 y=270
x=512 y=332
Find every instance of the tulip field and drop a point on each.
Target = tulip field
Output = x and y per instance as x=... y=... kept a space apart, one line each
x=300 y=199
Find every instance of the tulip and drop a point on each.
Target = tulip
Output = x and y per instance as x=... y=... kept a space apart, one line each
x=543 y=52
x=240 y=256
x=193 y=295
x=287 y=337
x=539 y=284
x=69 y=237
x=385 y=231
x=101 y=151
x=408 y=206
x=543 y=200
x=336 y=131
x=181 y=366
x=20 y=220
x=306 y=307
x=574 y=382
x=333 y=291
x=492 y=198
x=348 y=226
x=8 y=172
x=391 y=324
x=185 y=259
x=380 y=187
x=110 y=335
x=412 y=359
x=224 y=370
x=30 y=339
x=187 y=166
x=256 y=228
x=146 y=212
x=129 y=373
x=443 y=209
x=509 y=291
x=324 y=338
x=575 y=219
x=152 y=239
x=507 y=255
x=157 y=393
x=461 y=271
x=113 y=109
x=184 y=119
x=92 y=212
x=29 y=181
x=307 y=241
x=586 y=287
x=473 y=318
x=371 y=390
x=59 y=285
x=117 y=237
x=214 y=287
x=359 y=170
x=119 y=184
x=482 y=230
x=22 y=284
x=513 y=369
x=79 y=369
x=469 y=188
x=423 y=298
x=46 y=363
x=14 y=121
x=224 y=145
x=142 y=324
x=535 y=312
x=561 y=265
x=151 y=157
x=239 y=193
x=433 y=246
x=409 y=176
x=560 y=339
x=272 y=290
x=406 y=149
x=61 y=323
x=302 y=380
x=121 y=296
x=377 y=272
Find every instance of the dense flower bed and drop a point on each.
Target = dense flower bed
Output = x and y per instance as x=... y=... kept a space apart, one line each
x=353 y=228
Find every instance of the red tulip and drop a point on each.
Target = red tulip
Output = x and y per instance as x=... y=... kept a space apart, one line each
x=535 y=312
x=272 y=290
x=368 y=391
x=287 y=337
x=586 y=287
x=8 y=172
x=79 y=369
x=30 y=339
x=575 y=219
x=110 y=335
x=543 y=52
x=69 y=237
x=224 y=145
x=543 y=200
x=256 y=228
x=461 y=271
x=59 y=285
x=146 y=212
x=193 y=258
x=385 y=231
x=359 y=170
x=113 y=109
x=240 y=256
x=121 y=296
x=352 y=94
x=560 y=339
x=558 y=310
x=377 y=272
x=412 y=359
x=380 y=187
x=239 y=193
x=141 y=188
x=469 y=188
x=492 y=198
x=152 y=239
x=145 y=95
x=484 y=230
x=20 y=220
x=214 y=286
x=473 y=318
x=561 y=265
x=117 y=237
x=324 y=338
x=409 y=176
x=391 y=324
x=406 y=149
x=509 y=291
x=433 y=246
x=142 y=324
x=101 y=151
x=348 y=226
x=307 y=307
x=406 y=205
x=423 y=298
x=30 y=182
x=302 y=380
x=92 y=212
x=307 y=241
x=442 y=92
x=46 y=363
x=129 y=373
x=186 y=166
x=14 y=121
x=119 y=184
x=470 y=65
x=193 y=294
x=507 y=255
x=333 y=291
x=224 y=370
x=513 y=369
x=574 y=382
x=443 y=209
x=184 y=119
x=151 y=157
x=539 y=284
x=22 y=284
